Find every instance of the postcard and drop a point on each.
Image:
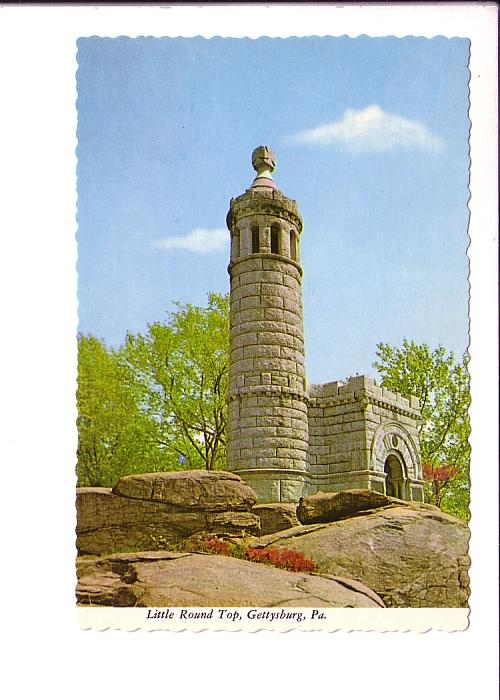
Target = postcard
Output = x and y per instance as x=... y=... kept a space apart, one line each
x=273 y=330
x=284 y=259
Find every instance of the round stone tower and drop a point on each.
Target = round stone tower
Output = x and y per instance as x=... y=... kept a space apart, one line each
x=268 y=424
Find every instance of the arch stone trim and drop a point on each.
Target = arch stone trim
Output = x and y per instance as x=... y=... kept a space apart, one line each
x=392 y=438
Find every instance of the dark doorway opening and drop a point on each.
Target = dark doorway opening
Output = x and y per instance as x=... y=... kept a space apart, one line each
x=394 y=477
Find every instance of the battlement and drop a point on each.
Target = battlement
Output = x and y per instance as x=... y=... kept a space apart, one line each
x=260 y=195
x=354 y=387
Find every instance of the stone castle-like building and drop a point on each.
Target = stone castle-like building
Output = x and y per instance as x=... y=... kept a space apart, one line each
x=288 y=439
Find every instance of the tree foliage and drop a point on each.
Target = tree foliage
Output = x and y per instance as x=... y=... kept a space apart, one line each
x=158 y=402
x=114 y=435
x=443 y=387
x=180 y=369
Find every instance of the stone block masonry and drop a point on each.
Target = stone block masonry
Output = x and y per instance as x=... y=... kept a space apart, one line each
x=357 y=433
x=268 y=420
x=286 y=439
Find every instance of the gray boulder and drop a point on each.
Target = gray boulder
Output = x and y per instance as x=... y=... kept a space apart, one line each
x=275 y=517
x=169 y=579
x=189 y=490
x=410 y=556
x=329 y=507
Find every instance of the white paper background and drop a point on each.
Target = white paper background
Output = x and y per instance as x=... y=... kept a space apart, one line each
x=46 y=655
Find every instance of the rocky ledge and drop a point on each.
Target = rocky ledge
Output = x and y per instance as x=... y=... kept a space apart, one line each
x=155 y=511
x=405 y=554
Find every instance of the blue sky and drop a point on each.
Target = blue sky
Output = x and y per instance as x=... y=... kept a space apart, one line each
x=371 y=137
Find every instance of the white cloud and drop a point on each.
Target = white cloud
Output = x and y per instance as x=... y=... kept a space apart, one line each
x=199 y=240
x=371 y=129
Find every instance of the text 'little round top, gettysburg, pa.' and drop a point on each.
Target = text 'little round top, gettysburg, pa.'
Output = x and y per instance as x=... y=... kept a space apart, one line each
x=288 y=439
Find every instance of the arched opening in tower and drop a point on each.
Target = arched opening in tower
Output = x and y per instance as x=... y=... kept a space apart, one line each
x=275 y=231
x=293 y=245
x=255 y=239
x=394 y=478
x=236 y=244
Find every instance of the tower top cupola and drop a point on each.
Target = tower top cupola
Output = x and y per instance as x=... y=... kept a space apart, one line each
x=263 y=203
x=264 y=163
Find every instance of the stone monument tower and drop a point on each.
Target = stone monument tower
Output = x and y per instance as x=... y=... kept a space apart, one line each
x=287 y=439
x=268 y=421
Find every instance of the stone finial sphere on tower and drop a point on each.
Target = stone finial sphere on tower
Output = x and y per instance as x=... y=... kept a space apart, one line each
x=263 y=159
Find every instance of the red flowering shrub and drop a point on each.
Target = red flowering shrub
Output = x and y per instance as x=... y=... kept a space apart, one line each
x=288 y=559
x=215 y=546
x=257 y=554
x=438 y=476
x=282 y=558
x=441 y=472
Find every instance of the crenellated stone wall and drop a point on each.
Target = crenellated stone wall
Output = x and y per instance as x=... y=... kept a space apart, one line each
x=355 y=429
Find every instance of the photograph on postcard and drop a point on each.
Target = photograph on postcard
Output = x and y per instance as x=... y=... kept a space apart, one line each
x=273 y=385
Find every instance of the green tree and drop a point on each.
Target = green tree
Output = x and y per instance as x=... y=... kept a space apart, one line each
x=443 y=387
x=181 y=371
x=114 y=436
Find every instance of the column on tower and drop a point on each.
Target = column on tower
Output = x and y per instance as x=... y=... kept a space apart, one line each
x=268 y=423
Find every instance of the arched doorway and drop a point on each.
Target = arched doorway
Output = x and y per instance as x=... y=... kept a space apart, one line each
x=394 y=477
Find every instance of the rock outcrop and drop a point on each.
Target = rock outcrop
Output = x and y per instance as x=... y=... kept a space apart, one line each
x=169 y=579
x=410 y=555
x=275 y=517
x=329 y=507
x=155 y=511
x=197 y=490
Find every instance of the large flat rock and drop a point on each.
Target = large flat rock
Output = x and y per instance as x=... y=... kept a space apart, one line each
x=189 y=490
x=169 y=579
x=410 y=556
